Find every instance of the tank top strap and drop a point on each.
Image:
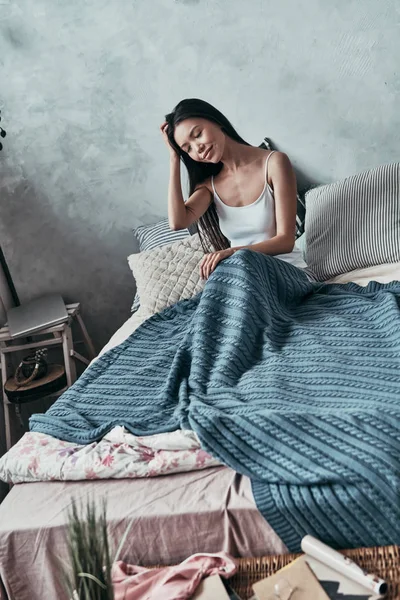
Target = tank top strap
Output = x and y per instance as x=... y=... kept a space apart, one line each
x=266 y=164
x=212 y=184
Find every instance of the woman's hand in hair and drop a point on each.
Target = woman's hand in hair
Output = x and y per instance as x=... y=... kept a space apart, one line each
x=210 y=261
x=164 y=129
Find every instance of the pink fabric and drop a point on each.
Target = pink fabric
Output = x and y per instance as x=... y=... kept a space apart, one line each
x=169 y=583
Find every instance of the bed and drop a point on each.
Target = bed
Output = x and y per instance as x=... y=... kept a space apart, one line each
x=174 y=515
x=208 y=510
x=209 y=507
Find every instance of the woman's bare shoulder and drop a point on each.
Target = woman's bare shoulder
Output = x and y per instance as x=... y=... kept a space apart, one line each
x=206 y=183
x=280 y=160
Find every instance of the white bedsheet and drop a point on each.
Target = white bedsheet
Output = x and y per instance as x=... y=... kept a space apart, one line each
x=380 y=273
x=125 y=331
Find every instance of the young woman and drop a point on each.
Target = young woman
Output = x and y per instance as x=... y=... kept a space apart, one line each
x=241 y=196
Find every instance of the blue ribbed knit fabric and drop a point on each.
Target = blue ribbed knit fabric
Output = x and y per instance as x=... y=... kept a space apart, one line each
x=295 y=384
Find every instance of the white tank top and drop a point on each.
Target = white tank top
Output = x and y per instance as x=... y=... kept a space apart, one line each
x=253 y=223
x=250 y=224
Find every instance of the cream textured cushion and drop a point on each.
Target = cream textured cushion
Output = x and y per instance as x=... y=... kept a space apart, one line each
x=168 y=274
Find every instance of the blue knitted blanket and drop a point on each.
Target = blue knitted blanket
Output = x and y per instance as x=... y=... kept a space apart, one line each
x=295 y=384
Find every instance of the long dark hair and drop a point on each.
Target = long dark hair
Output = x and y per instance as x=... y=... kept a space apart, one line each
x=209 y=231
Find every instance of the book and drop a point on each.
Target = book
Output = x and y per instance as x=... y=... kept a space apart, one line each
x=296 y=580
x=338 y=576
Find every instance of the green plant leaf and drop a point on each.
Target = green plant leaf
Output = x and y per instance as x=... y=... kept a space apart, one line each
x=88 y=576
x=93 y=578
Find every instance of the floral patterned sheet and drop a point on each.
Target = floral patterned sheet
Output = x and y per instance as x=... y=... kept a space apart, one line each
x=40 y=457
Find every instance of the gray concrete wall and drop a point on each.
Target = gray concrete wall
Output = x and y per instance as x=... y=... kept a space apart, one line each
x=84 y=88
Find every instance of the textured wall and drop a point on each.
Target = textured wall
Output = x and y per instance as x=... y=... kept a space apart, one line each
x=84 y=88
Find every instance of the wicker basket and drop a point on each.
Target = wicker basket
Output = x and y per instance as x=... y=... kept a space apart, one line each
x=384 y=561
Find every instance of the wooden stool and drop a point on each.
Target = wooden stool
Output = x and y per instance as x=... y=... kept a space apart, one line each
x=55 y=335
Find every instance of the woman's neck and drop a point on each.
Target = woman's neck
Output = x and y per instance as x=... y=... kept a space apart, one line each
x=238 y=155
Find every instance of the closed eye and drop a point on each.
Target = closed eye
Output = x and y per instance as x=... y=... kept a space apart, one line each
x=196 y=136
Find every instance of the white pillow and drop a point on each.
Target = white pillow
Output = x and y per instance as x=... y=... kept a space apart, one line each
x=168 y=274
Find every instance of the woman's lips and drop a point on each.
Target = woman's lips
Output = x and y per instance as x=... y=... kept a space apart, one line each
x=208 y=153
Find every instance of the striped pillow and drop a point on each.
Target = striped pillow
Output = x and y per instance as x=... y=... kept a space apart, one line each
x=301 y=205
x=154 y=236
x=354 y=223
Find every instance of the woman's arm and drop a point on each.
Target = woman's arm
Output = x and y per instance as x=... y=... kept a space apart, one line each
x=180 y=214
x=284 y=185
x=285 y=192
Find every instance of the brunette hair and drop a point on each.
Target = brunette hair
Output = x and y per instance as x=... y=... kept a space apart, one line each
x=209 y=231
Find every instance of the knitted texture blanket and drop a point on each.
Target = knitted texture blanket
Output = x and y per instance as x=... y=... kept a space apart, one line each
x=295 y=384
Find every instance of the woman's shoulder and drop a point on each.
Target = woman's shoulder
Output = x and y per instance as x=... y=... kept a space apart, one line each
x=262 y=154
x=278 y=157
x=206 y=184
x=278 y=162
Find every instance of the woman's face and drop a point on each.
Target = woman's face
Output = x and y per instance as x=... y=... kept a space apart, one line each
x=203 y=140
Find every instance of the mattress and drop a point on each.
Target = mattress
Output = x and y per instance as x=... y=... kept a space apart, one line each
x=173 y=517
